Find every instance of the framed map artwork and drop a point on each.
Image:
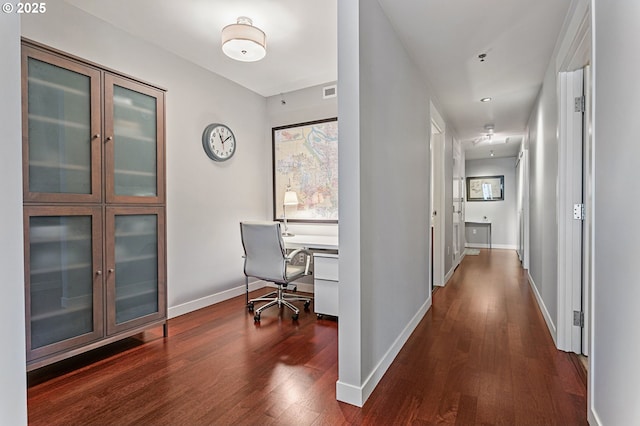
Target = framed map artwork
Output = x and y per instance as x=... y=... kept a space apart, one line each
x=305 y=159
x=485 y=188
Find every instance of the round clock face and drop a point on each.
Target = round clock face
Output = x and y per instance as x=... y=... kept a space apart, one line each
x=218 y=142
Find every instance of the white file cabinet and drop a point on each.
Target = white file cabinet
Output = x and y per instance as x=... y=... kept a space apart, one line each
x=325 y=282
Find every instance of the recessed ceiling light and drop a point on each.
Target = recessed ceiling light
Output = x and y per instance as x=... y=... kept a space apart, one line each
x=491 y=153
x=485 y=100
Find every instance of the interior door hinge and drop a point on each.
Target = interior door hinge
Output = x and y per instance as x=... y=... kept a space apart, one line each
x=578 y=319
x=578 y=211
x=579 y=104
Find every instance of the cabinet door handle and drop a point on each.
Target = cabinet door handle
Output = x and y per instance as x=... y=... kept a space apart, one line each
x=110 y=138
x=111 y=270
x=96 y=136
x=98 y=272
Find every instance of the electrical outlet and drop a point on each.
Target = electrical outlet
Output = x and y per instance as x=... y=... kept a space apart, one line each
x=301 y=257
x=474 y=231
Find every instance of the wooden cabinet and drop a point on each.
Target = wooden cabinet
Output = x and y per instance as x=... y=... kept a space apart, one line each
x=94 y=205
x=132 y=149
x=61 y=126
x=135 y=263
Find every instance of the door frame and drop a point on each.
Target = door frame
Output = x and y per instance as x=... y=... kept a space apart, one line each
x=437 y=204
x=569 y=336
x=574 y=270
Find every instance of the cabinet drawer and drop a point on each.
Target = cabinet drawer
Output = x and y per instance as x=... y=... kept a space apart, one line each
x=325 y=266
x=325 y=295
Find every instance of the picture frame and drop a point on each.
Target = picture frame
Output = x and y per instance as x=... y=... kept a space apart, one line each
x=305 y=159
x=485 y=188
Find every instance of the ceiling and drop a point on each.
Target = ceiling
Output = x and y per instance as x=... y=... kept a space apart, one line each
x=444 y=37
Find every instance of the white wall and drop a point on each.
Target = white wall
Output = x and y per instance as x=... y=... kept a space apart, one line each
x=543 y=169
x=13 y=392
x=384 y=197
x=614 y=369
x=501 y=214
x=205 y=200
x=301 y=106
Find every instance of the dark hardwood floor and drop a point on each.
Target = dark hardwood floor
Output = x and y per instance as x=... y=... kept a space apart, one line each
x=481 y=356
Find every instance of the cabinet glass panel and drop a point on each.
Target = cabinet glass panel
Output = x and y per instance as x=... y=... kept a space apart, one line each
x=134 y=126
x=61 y=279
x=59 y=115
x=136 y=259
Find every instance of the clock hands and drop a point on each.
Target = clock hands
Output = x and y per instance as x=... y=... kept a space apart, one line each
x=222 y=141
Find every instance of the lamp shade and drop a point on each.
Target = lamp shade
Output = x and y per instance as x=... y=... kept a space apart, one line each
x=244 y=42
x=290 y=198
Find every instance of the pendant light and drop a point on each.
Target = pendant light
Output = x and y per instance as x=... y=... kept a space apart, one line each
x=244 y=42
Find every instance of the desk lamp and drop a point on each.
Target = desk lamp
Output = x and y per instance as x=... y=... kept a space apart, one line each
x=290 y=199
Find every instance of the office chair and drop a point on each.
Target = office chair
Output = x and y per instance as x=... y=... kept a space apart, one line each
x=265 y=257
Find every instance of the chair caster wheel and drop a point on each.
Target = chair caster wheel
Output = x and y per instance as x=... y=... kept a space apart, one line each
x=256 y=318
x=294 y=317
x=319 y=316
x=306 y=304
x=250 y=307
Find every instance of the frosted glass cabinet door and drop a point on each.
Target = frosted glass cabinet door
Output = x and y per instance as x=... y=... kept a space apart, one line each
x=61 y=128
x=134 y=148
x=135 y=267
x=64 y=278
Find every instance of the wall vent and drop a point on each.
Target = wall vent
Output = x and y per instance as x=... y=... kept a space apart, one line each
x=329 y=92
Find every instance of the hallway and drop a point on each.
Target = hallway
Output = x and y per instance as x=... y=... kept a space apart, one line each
x=481 y=355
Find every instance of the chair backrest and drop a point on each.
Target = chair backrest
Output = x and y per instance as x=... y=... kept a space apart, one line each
x=264 y=251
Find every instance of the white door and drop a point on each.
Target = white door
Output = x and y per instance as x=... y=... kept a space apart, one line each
x=437 y=181
x=458 y=219
x=587 y=198
x=522 y=173
x=570 y=213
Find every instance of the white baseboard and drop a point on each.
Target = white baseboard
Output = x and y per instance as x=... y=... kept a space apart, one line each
x=349 y=394
x=305 y=287
x=453 y=269
x=493 y=246
x=357 y=396
x=203 y=302
x=543 y=308
x=593 y=418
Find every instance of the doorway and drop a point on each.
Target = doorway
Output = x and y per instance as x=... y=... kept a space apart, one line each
x=436 y=148
x=574 y=196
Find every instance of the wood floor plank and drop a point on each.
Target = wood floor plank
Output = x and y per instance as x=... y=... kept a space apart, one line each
x=480 y=356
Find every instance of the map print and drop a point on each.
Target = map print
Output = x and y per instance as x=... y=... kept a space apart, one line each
x=306 y=157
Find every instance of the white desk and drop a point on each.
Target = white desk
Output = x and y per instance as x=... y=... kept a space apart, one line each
x=325 y=270
x=312 y=242
x=481 y=222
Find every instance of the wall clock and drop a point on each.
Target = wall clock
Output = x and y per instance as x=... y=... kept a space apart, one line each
x=218 y=142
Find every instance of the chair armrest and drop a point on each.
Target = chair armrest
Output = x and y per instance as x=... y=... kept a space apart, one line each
x=294 y=253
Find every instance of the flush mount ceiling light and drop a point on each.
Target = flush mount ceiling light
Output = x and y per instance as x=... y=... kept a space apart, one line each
x=244 y=42
x=485 y=100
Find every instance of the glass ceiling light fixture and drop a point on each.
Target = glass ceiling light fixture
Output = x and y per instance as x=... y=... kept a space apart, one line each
x=485 y=100
x=244 y=42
